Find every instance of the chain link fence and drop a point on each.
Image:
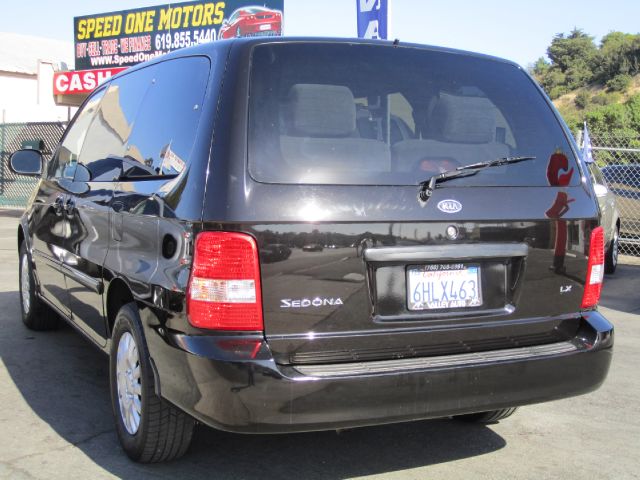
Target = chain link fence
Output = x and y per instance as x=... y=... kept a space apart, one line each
x=618 y=156
x=15 y=190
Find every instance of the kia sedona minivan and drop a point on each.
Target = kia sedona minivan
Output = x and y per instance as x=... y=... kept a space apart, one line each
x=180 y=227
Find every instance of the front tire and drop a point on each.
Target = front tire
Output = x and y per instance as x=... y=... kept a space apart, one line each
x=611 y=258
x=36 y=315
x=491 y=416
x=149 y=429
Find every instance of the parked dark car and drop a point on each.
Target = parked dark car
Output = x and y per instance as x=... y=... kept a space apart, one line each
x=623 y=174
x=312 y=247
x=252 y=22
x=274 y=252
x=609 y=217
x=472 y=288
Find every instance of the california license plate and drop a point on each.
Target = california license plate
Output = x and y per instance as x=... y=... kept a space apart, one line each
x=435 y=287
x=266 y=26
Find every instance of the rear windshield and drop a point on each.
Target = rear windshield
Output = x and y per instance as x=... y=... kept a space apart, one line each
x=323 y=113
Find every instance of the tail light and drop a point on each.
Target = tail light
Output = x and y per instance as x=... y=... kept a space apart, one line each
x=224 y=288
x=595 y=269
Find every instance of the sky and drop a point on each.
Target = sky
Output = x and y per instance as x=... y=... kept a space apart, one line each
x=514 y=29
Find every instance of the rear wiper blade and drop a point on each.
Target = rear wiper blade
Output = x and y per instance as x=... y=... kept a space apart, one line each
x=496 y=163
x=428 y=186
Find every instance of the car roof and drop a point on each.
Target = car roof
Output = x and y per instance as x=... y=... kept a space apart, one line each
x=217 y=46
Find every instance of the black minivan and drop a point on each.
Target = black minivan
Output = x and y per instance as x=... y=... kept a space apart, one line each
x=459 y=256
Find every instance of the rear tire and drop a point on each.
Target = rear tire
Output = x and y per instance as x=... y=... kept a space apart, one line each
x=491 y=416
x=149 y=429
x=36 y=315
x=611 y=258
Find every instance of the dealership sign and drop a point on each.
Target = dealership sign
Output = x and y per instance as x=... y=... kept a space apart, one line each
x=128 y=37
x=81 y=81
x=372 y=18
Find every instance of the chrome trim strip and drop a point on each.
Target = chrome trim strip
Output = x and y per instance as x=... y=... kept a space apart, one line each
x=442 y=361
x=443 y=253
x=83 y=279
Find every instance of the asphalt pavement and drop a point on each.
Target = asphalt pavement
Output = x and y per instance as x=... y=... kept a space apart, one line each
x=56 y=420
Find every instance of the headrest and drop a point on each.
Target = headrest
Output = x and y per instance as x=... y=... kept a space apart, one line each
x=320 y=110
x=462 y=119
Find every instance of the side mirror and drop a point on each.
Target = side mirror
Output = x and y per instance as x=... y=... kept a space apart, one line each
x=26 y=162
x=601 y=190
x=82 y=174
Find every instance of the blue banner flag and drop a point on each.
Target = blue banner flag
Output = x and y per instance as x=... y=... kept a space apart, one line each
x=587 y=152
x=372 y=18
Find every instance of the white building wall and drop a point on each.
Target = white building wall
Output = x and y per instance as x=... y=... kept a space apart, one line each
x=27 y=65
x=29 y=98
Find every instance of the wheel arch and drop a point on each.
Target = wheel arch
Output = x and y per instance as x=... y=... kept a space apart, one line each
x=23 y=235
x=20 y=236
x=118 y=294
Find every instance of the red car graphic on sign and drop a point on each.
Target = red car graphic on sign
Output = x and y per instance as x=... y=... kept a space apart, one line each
x=252 y=22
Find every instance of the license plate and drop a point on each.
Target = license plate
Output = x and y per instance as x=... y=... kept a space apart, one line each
x=266 y=26
x=435 y=287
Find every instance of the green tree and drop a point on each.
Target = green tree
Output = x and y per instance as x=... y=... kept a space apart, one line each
x=582 y=100
x=619 y=54
x=619 y=83
x=540 y=68
x=573 y=55
x=608 y=117
x=576 y=62
x=571 y=58
x=633 y=109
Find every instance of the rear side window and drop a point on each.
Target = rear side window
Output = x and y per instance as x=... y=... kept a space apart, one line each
x=66 y=160
x=165 y=127
x=365 y=114
x=147 y=122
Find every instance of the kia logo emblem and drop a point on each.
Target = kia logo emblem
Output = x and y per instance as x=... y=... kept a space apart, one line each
x=449 y=206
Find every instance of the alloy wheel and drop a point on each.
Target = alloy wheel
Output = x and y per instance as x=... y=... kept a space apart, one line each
x=129 y=384
x=25 y=284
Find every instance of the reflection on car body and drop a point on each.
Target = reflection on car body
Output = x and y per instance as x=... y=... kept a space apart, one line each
x=252 y=21
x=312 y=247
x=274 y=252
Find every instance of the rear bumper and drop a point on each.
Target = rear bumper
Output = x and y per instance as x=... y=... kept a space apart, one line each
x=220 y=389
